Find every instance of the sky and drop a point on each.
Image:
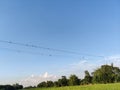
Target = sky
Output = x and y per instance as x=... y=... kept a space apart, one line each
x=89 y=27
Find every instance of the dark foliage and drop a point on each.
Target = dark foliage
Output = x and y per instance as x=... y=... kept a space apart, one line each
x=10 y=87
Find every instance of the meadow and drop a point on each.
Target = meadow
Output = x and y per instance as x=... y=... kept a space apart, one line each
x=113 y=86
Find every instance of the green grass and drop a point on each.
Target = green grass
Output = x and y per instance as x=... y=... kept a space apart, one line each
x=115 y=86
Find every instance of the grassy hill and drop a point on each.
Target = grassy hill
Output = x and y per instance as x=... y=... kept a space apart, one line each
x=114 y=86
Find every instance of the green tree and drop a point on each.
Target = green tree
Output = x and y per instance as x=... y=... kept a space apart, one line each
x=17 y=86
x=116 y=74
x=63 y=81
x=56 y=84
x=50 y=84
x=106 y=74
x=7 y=87
x=42 y=84
x=73 y=80
x=87 y=79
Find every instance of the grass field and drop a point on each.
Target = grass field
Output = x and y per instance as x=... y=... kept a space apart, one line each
x=115 y=86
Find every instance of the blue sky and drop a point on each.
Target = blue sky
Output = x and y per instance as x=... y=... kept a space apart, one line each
x=85 y=26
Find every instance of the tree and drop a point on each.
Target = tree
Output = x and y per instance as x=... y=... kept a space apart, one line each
x=106 y=74
x=42 y=84
x=29 y=87
x=56 y=84
x=87 y=78
x=17 y=86
x=63 y=81
x=7 y=87
x=50 y=84
x=73 y=80
x=116 y=74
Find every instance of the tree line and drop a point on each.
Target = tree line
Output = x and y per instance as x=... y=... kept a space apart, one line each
x=11 y=87
x=104 y=74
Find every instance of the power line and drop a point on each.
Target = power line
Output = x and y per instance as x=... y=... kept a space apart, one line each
x=33 y=53
x=28 y=52
x=47 y=48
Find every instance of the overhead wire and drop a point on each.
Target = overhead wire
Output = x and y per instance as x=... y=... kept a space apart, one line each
x=49 y=49
x=28 y=52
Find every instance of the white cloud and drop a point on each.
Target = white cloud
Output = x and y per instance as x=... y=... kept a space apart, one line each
x=77 y=68
x=113 y=59
x=33 y=80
